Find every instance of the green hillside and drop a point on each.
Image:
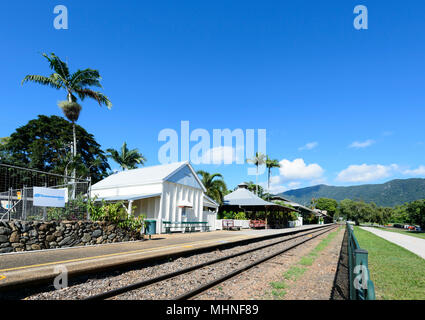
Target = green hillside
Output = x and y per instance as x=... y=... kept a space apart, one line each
x=390 y=194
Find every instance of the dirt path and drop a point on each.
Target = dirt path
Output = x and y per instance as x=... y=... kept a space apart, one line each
x=255 y=283
x=317 y=282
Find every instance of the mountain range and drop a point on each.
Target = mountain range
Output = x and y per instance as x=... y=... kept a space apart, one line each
x=387 y=194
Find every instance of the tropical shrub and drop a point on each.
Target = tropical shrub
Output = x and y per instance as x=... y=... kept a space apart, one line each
x=133 y=223
x=231 y=215
x=240 y=216
x=74 y=209
x=98 y=211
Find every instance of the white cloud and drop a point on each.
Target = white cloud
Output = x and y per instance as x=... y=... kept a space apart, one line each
x=309 y=146
x=420 y=171
x=364 y=144
x=220 y=155
x=319 y=181
x=298 y=170
x=365 y=172
x=294 y=184
x=274 y=189
x=294 y=174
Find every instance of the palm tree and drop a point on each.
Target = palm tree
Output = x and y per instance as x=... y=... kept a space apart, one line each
x=270 y=164
x=127 y=159
x=258 y=160
x=251 y=186
x=77 y=83
x=216 y=189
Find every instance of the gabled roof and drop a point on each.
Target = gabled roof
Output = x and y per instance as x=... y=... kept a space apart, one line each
x=242 y=197
x=280 y=198
x=129 y=197
x=299 y=206
x=144 y=176
x=291 y=203
x=209 y=202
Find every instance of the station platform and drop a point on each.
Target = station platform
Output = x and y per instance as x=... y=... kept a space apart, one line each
x=22 y=268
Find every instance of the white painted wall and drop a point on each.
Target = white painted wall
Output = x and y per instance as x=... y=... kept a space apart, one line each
x=296 y=223
x=164 y=207
x=148 y=207
x=172 y=194
x=211 y=218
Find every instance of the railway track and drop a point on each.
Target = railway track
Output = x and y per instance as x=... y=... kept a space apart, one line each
x=186 y=281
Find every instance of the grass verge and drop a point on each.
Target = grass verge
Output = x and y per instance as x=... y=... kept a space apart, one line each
x=295 y=272
x=397 y=273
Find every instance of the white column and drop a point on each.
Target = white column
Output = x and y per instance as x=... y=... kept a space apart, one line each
x=201 y=204
x=130 y=203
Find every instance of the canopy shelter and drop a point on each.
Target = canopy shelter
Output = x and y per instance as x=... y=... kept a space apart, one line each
x=306 y=212
x=299 y=207
x=244 y=200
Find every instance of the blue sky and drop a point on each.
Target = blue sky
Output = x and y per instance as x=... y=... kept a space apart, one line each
x=341 y=106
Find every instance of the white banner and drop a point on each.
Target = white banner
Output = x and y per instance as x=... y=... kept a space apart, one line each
x=66 y=193
x=45 y=197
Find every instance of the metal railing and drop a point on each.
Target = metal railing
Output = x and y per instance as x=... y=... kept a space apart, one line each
x=17 y=188
x=18 y=204
x=361 y=287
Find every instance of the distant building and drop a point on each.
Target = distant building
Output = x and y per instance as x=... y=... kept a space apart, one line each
x=244 y=200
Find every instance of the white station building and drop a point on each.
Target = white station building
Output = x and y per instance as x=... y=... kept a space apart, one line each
x=171 y=192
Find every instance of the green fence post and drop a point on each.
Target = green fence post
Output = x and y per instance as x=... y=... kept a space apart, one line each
x=350 y=261
x=361 y=273
x=370 y=290
x=361 y=287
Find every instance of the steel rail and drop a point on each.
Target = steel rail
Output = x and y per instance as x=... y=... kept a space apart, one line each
x=205 y=287
x=144 y=283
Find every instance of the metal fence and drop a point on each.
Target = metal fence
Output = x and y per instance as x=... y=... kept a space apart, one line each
x=17 y=189
x=361 y=287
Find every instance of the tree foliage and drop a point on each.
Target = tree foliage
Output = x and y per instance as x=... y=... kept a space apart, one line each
x=330 y=205
x=215 y=185
x=270 y=164
x=74 y=84
x=258 y=160
x=357 y=211
x=360 y=211
x=255 y=188
x=127 y=159
x=416 y=212
x=389 y=194
x=44 y=144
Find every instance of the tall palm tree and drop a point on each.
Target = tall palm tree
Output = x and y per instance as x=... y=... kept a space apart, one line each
x=258 y=160
x=270 y=164
x=78 y=83
x=252 y=187
x=127 y=159
x=215 y=185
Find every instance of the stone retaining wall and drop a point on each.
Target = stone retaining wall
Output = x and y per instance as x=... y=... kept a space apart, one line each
x=16 y=236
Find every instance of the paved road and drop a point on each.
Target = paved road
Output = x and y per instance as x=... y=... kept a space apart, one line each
x=413 y=244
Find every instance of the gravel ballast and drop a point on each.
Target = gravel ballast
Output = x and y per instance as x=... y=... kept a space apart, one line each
x=169 y=289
